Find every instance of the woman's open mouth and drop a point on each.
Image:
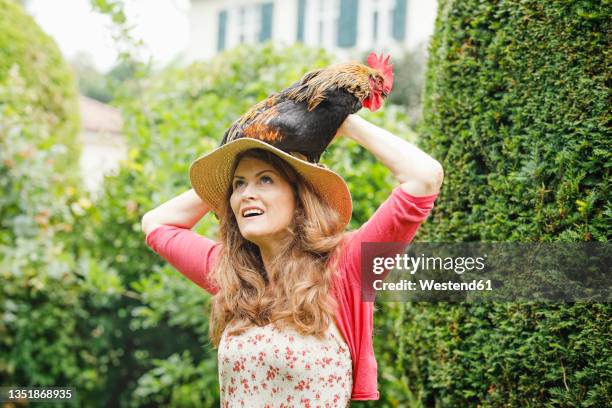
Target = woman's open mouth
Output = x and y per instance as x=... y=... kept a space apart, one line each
x=252 y=212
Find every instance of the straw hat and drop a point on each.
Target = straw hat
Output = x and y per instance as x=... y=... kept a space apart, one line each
x=211 y=176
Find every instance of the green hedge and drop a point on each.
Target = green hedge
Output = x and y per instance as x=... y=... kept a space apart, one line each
x=516 y=108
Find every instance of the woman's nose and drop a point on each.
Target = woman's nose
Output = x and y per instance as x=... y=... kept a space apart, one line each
x=249 y=192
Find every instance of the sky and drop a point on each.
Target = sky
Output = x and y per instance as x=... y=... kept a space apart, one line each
x=162 y=25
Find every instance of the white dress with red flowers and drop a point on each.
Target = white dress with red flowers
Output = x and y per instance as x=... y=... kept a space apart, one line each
x=265 y=367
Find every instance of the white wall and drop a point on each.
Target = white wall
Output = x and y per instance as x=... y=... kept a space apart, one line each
x=203 y=29
x=284 y=26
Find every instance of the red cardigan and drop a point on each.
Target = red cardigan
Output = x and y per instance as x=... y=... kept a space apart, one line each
x=396 y=220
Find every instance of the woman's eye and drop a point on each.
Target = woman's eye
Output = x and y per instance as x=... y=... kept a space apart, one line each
x=237 y=183
x=266 y=179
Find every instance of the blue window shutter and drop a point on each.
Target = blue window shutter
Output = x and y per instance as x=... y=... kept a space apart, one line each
x=347 y=23
x=222 y=30
x=300 y=21
x=266 y=22
x=399 y=20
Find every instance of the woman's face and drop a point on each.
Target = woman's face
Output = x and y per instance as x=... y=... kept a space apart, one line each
x=258 y=186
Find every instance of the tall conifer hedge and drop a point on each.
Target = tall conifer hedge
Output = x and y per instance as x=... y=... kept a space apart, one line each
x=517 y=110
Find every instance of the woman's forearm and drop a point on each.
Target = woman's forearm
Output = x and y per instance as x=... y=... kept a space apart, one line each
x=184 y=211
x=418 y=173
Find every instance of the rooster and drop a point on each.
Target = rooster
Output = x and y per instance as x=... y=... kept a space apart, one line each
x=305 y=117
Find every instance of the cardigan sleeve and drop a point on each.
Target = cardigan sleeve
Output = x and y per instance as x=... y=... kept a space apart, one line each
x=190 y=253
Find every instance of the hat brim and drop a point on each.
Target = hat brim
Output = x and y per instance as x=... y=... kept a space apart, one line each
x=211 y=177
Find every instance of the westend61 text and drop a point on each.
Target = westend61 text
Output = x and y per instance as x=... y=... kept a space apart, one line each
x=433 y=285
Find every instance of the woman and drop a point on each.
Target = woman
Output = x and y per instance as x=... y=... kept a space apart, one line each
x=287 y=316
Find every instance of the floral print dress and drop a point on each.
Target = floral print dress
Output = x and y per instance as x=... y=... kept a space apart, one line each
x=265 y=367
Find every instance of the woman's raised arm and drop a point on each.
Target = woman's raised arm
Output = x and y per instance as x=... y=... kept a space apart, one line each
x=418 y=173
x=184 y=211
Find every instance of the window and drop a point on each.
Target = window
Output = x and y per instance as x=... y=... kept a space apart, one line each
x=382 y=21
x=321 y=22
x=248 y=23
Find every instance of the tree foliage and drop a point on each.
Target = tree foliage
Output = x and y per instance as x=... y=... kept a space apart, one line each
x=26 y=48
x=91 y=82
x=45 y=330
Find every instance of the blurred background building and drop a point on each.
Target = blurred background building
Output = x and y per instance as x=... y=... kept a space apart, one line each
x=103 y=143
x=345 y=27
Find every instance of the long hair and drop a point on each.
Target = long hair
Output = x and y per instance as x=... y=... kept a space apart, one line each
x=301 y=271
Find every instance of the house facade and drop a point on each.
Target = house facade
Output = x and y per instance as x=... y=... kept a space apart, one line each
x=103 y=145
x=345 y=27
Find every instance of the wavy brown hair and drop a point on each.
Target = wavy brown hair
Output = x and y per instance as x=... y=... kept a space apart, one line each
x=301 y=272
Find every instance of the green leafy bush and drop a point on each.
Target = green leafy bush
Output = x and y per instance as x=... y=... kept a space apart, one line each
x=50 y=333
x=516 y=109
x=54 y=297
x=47 y=76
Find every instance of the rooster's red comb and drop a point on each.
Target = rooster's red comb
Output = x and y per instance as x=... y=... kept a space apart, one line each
x=376 y=62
